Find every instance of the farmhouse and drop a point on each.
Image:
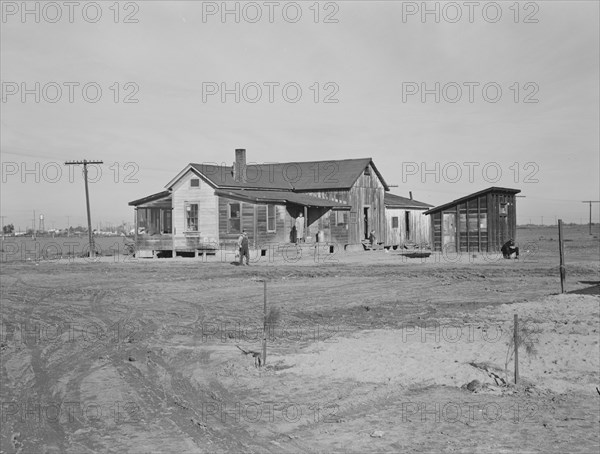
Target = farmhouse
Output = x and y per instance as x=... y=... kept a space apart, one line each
x=206 y=206
x=479 y=222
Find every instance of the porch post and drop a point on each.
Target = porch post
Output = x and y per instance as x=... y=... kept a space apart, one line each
x=135 y=216
x=173 y=233
x=305 y=222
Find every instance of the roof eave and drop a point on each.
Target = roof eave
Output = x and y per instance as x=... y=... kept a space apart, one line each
x=475 y=194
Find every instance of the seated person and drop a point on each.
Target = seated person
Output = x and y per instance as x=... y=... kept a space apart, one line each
x=509 y=249
x=372 y=238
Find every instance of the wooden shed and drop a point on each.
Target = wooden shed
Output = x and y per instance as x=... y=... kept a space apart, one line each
x=405 y=222
x=479 y=222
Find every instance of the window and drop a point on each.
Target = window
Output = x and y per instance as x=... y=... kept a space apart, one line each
x=503 y=209
x=191 y=217
x=195 y=183
x=472 y=220
x=234 y=218
x=142 y=220
x=395 y=222
x=341 y=217
x=483 y=221
x=167 y=224
x=367 y=171
x=271 y=212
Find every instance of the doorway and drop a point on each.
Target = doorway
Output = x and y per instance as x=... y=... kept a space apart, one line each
x=366 y=222
x=448 y=229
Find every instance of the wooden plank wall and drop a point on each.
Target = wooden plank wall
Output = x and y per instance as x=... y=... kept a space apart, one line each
x=480 y=227
x=367 y=191
x=501 y=228
x=254 y=221
x=436 y=229
x=204 y=196
x=325 y=219
x=419 y=225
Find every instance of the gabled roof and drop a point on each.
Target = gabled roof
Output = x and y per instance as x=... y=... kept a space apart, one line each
x=286 y=176
x=279 y=197
x=151 y=198
x=397 y=201
x=470 y=196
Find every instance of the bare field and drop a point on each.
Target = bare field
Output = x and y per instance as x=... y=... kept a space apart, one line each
x=370 y=355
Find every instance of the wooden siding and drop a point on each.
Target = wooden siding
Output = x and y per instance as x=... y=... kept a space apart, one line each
x=207 y=202
x=254 y=221
x=419 y=227
x=367 y=191
x=480 y=225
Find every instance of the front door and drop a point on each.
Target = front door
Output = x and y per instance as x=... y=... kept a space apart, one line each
x=366 y=221
x=449 y=231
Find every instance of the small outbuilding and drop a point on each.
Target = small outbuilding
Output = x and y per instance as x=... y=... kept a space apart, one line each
x=405 y=221
x=479 y=222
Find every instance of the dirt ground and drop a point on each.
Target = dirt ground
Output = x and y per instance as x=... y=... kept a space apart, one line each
x=372 y=353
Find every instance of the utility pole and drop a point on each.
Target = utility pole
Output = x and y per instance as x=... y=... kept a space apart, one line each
x=590 y=202
x=87 y=199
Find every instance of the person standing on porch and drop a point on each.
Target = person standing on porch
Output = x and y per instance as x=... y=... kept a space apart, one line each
x=243 y=246
x=300 y=228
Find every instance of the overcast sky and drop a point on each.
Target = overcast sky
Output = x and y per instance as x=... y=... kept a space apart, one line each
x=374 y=58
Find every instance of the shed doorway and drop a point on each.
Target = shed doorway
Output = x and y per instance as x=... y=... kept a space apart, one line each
x=448 y=229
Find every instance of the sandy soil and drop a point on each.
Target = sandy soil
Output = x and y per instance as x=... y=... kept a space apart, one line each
x=372 y=354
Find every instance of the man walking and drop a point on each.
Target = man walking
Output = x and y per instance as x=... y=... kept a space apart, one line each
x=243 y=247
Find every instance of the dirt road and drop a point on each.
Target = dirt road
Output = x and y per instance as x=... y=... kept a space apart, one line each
x=371 y=354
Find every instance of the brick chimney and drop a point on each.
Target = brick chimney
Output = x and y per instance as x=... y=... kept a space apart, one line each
x=239 y=166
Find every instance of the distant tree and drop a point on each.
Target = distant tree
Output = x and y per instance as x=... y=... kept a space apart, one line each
x=8 y=229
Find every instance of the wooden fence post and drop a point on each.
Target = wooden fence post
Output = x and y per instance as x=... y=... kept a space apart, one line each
x=265 y=327
x=561 y=249
x=516 y=342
